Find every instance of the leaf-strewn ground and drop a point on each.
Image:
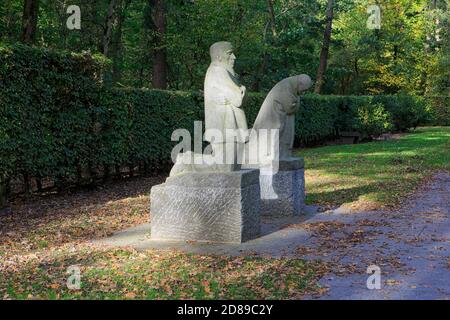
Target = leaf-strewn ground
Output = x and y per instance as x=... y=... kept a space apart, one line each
x=42 y=236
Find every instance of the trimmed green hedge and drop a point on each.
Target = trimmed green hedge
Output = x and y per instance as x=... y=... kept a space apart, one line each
x=137 y=124
x=323 y=117
x=58 y=120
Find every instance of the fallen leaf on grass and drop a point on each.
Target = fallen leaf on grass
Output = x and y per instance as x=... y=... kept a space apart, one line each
x=393 y=282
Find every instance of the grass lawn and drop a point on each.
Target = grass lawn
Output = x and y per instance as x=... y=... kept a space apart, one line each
x=127 y=274
x=376 y=174
x=43 y=236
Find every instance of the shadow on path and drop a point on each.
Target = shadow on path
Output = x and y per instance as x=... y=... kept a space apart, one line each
x=409 y=245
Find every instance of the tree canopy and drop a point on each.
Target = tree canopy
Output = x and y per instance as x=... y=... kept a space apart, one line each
x=164 y=43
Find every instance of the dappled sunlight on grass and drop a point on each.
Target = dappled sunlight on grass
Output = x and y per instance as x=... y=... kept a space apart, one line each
x=41 y=237
x=42 y=222
x=380 y=173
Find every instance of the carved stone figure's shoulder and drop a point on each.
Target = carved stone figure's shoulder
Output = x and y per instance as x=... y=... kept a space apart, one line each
x=280 y=89
x=214 y=68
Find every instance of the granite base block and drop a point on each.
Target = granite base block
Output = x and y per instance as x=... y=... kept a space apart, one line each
x=212 y=207
x=283 y=188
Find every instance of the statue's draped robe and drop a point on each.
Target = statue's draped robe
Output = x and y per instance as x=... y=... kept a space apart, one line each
x=278 y=112
x=223 y=99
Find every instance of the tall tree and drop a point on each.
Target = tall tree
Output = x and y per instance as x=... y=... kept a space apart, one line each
x=29 y=21
x=159 y=73
x=108 y=27
x=117 y=50
x=262 y=68
x=272 y=17
x=325 y=48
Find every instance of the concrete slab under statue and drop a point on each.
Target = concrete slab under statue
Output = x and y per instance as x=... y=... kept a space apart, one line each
x=219 y=196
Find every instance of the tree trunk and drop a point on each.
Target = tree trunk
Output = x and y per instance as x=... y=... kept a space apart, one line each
x=427 y=45
x=117 y=53
x=10 y=21
x=325 y=48
x=260 y=72
x=159 y=74
x=29 y=21
x=3 y=192
x=272 y=17
x=26 y=184
x=108 y=26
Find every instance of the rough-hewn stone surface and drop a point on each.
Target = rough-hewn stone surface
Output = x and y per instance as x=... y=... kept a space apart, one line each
x=216 y=207
x=283 y=191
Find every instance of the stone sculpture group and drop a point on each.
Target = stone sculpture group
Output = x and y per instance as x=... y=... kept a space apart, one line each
x=249 y=173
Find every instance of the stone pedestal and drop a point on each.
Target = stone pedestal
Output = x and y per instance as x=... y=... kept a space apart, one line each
x=283 y=188
x=209 y=206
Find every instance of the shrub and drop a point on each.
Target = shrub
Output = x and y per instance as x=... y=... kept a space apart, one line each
x=407 y=111
x=315 y=121
x=137 y=124
x=439 y=108
x=372 y=120
x=58 y=120
x=47 y=110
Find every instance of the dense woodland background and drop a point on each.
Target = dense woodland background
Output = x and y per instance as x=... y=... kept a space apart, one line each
x=164 y=43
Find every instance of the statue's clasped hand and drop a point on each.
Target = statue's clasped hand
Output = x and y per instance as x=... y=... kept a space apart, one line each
x=243 y=90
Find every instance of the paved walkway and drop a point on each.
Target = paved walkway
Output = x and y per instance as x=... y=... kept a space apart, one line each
x=410 y=246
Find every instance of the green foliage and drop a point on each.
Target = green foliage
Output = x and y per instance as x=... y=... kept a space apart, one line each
x=138 y=124
x=408 y=54
x=57 y=118
x=47 y=110
x=322 y=117
x=407 y=111
x=316 y=119
x=373 y=119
